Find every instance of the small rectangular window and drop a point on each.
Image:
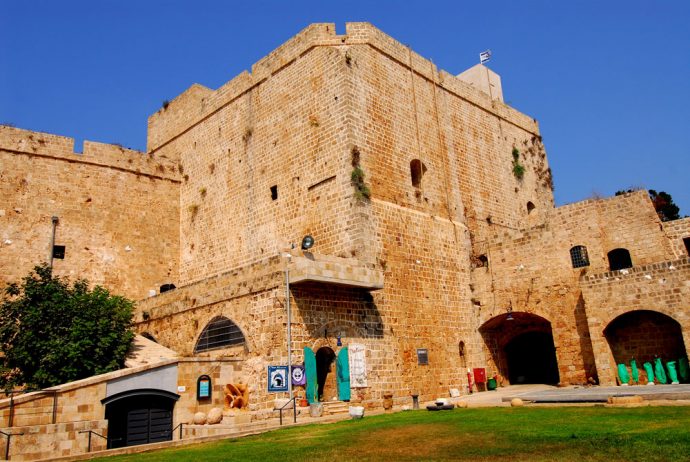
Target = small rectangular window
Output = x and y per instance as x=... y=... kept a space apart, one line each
x=274 y=192
x=686 y=241
x=59 y=252
x=422 y=356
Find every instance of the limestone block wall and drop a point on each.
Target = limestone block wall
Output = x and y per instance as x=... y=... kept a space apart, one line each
x=663 y=287
x=36 y=442
x=117 y=209
x=678 y=231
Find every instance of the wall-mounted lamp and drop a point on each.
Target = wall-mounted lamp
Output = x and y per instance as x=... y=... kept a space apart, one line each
x=307 y=242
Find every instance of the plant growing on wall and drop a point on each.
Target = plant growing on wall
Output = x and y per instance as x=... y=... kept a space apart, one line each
x=53 y=332
x=362 y=191
x=518 y=168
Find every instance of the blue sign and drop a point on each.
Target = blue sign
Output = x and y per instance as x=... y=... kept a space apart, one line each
x=277 y=379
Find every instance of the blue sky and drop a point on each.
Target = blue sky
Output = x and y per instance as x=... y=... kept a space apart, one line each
x=609 y=81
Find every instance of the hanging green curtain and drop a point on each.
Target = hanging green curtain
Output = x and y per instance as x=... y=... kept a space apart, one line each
x=342 y=367
x=310 y=373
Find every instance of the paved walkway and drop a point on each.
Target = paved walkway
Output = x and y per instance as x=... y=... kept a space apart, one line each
x=573 y=394
x=600 y=394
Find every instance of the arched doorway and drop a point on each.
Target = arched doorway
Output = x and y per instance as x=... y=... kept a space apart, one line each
x=139 y=417
x=521 y=348
x=644 y=335
x=325 y=374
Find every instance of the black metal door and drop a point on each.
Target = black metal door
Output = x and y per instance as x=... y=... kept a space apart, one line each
x=139 y=419
x=148 y=425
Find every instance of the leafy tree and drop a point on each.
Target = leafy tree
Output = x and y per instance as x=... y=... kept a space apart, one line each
x=51 y=332
x=664 y=205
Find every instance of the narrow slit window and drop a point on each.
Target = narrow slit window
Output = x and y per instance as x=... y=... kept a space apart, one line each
x=274 y=192
x=417 y=171
x=686 y=241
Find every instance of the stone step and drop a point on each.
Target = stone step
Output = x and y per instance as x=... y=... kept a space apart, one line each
x=335 y=407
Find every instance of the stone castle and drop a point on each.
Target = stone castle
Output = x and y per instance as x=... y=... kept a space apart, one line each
x=437 y=245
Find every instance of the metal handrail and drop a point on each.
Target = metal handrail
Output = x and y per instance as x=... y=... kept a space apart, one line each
x=294 y=410
x=11 y=394
x=7 y=446
x=90 y=432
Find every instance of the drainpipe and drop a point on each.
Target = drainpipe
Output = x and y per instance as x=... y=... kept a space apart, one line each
x=289 y=327
x=52 y=240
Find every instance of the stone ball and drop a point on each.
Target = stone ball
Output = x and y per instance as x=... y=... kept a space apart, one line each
x=215 y=415
x=461 y=404
x=517 y=402
x=199 y=418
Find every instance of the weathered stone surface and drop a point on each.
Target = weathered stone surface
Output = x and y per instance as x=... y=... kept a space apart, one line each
x=199 y=418
x=215 y=415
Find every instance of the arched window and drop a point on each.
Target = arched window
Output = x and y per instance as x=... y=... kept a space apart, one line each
x=619 y=259
x=220 y=332
x=530 y=207
x=417 y=171
x=579 y=257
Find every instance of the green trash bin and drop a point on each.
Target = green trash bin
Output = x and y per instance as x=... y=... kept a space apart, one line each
x=623 y=374
x=683 y=370
x=672 y=375
x=649 y=370
x=659 y=371
x=491 y=384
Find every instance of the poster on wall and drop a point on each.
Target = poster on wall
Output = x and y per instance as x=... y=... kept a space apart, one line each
x=358 y=365
x=277 y=379
x=298 y=377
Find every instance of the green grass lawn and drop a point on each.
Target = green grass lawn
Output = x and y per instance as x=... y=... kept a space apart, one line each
x=492 y=434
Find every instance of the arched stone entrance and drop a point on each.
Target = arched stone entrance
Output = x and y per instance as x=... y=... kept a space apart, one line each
x=521 y=348
x=325 y=374
x=139 y=416
x=644 y=335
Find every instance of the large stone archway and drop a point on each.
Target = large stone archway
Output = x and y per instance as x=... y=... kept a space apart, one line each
x=521 y=348
x=644 y=335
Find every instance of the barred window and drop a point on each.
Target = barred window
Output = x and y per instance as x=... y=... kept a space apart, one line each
x=578 y=255
x=220 y=332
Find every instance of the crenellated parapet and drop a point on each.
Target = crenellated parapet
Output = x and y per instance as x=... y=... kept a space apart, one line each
x=198 y=103
x=31 y=143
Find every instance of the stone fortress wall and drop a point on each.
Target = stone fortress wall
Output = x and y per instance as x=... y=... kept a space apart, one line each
x=450 y=244
x=117 y=210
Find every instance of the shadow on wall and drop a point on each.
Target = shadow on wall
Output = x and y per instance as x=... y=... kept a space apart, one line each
x=586 y=348
x=329 y=311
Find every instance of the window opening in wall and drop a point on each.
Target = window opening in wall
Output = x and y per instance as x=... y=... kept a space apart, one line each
x=530 y=207
x=480 y=261
x=417 y=171
x=220 y=332
x=579 y=257
x=422 y=356
x=619 y=259
x=686 y=241
x=59 y=252
x=274 y=192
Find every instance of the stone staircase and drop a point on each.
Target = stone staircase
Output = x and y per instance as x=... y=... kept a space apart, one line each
x=335 y=407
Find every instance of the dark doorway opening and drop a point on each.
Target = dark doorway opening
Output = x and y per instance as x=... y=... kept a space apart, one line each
x=532 y=358
x=521 y=348
x=325 y=374
x=139 y=417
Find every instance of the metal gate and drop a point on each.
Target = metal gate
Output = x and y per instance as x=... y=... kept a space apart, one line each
x=139 y=417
